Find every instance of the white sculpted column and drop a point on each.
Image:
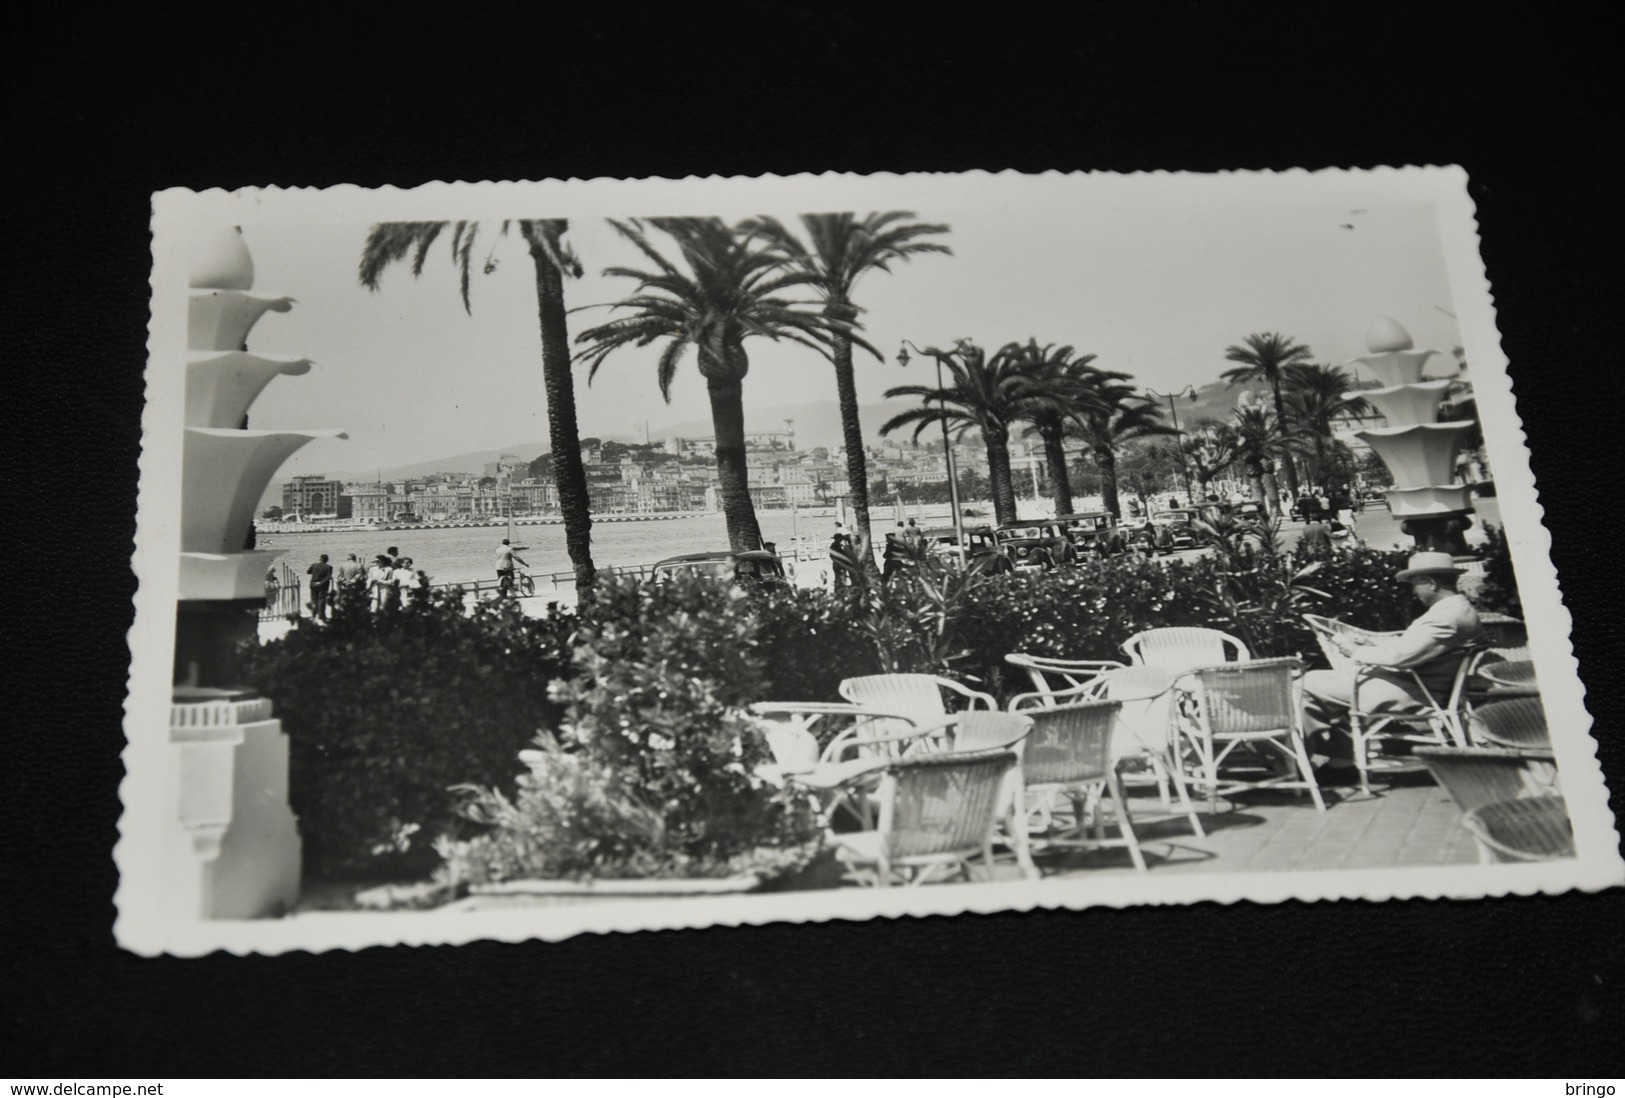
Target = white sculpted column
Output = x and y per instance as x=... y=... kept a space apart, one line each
x=232 y=851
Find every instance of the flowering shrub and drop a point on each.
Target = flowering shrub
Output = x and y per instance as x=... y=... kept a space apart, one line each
x=385 y=712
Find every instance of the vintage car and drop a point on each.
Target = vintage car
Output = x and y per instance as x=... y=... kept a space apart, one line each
x=756 y=567
x=983 y=553
x=1094 y=531
x=1250 y=511
x=1036 y=545
x=1175 y=528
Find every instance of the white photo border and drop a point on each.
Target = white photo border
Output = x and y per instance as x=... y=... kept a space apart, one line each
x=140 y=925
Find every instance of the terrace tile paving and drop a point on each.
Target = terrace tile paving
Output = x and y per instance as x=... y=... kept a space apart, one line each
x=1407 y=821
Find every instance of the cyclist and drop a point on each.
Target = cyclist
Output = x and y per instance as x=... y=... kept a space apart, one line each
x=506 y=558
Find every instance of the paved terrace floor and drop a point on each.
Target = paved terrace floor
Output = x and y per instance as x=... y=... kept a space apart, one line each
x=1407 y=821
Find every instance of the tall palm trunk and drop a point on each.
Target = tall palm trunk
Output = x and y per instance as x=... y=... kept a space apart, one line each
x=1255 y=484
x=569 y=475
x=998 y=476
x=1272 y=493
x=1106 y=459
x=1281 y=419
x=857 y=466
x=1055 y=458
x=733 y=476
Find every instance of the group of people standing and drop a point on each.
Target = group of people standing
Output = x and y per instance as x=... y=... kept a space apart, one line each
x=904 y=546
x=389 y=582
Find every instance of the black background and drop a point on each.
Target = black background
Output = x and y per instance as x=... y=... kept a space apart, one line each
x=106 y=111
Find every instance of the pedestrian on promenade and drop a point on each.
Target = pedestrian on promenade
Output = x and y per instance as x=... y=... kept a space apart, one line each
x=349 y=584
x=406 y=581
x=321 y=585
x=1315 y=543
x=381 y=583
x=842 y=561
x=1343 y=506
x=1432 y=647
x=913 y=541
x=506 y=559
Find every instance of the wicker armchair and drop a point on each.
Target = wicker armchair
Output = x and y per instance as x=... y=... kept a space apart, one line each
x=1435 y=722
x=917 y=697
x=937 y=812
x=1514 y=722
x=1138 y=701
x=1183 y=649
x=1069 y=751
x=801 y=735
x=1477 y=776
x=1054 y=678
x=1243 y=708
x=1532 y=829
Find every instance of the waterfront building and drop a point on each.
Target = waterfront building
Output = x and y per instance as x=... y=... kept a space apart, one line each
x=313 y=494
x=368 y=502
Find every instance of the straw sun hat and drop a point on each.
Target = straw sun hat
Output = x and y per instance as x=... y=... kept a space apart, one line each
x=1430 y=564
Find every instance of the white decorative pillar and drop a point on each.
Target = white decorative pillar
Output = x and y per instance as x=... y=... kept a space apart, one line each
x=1419 y=451
x=232 y=850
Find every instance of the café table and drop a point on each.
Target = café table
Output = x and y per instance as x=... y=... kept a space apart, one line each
x=1145 y=728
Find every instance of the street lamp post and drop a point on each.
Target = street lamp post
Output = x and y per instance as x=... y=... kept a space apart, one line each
x=1184 y=469
x=947 y=447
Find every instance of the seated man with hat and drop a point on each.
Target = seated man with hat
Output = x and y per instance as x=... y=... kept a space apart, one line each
x=1432 y=646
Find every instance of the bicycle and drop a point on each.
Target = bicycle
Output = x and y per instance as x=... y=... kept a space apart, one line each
x=516 y=580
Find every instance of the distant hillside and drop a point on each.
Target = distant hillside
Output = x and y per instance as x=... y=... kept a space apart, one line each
x=816 y=424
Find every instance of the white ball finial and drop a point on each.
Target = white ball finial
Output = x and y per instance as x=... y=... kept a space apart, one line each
x=220 y=260
x=1385 y=334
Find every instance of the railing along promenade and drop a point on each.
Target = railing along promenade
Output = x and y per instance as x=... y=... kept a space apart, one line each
x=286 y=599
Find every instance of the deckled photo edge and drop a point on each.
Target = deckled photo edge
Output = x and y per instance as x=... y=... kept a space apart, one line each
x=175 y=212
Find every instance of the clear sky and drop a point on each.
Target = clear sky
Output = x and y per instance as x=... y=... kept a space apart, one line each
x=1155 y=290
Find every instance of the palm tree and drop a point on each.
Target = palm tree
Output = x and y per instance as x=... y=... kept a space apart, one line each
x=1114 y=416
x=845 y=248
x=1266 y=357
x=1316 y=396
x=1210 y=447
x=987 y=394
x=1259 y=445
x=392 y=241
x=726 y=296
x=1064 y=377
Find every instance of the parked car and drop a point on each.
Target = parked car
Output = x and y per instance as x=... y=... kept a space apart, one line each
x=1176 y=529
x=754 y=568
x=1036 y=545
x=1094 y=531
x=983 y=553
x=1250 y=511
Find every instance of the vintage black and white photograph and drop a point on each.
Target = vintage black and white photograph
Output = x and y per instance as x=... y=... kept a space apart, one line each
x=518 y=560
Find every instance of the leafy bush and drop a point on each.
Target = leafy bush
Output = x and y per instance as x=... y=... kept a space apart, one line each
x=576 y=817
x=1499 y=591
x=385 y=712
x=809 y=640
x=653 y=773
x=1086 y=612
